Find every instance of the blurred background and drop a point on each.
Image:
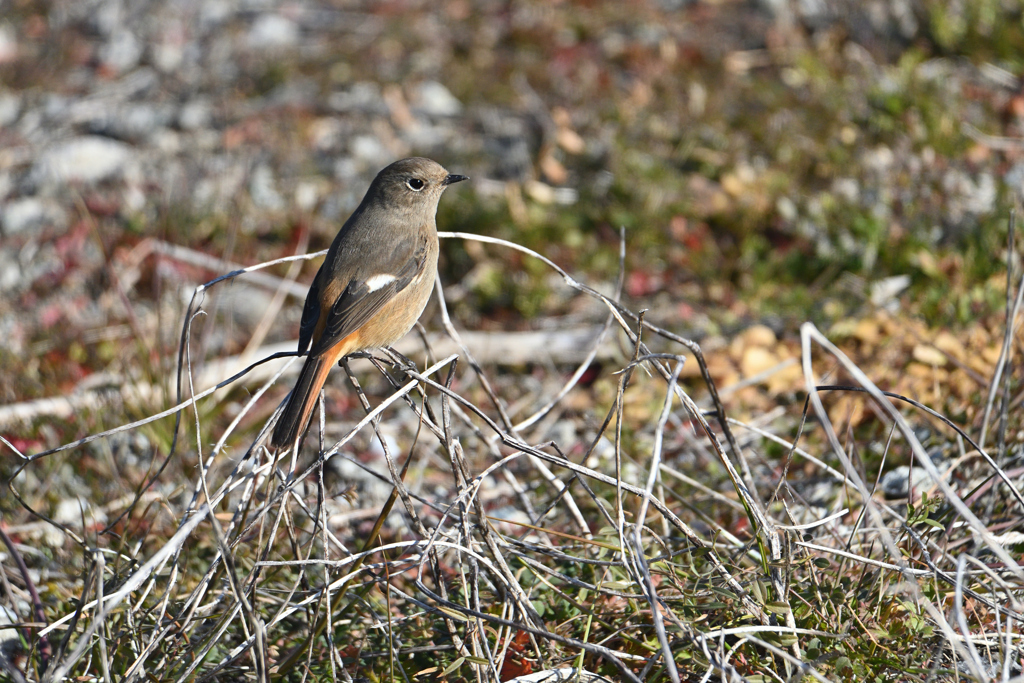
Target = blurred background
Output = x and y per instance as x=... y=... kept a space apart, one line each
x=771 y=161
x=850 y=162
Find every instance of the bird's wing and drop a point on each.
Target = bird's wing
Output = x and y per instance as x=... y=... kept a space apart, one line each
x=366 y=294
x=310 y=314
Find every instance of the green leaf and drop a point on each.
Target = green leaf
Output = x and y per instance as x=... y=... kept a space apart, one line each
x=781 y=639
x=455 y=665
x=618 y=585
x=453 y=614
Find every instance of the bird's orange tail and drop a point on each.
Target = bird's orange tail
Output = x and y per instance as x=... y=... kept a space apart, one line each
x=303 y=399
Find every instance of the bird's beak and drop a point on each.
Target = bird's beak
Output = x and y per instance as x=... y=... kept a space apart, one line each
x=451 y=179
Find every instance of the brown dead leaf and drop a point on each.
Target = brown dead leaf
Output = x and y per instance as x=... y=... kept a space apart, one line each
x=690 y=367
x=759 y=335
x=732 y=184
x=757 y=359
x=929 y=355
x=719 y=366
x=786 y=380
x=945 y=341
x=930 y=373
x=990 y=354
x=867 y=331
x=553 y=170
x=736 y=348
x=570 y=141
x=848 y=410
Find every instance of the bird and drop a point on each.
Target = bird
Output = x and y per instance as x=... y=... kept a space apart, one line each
x=374 y=283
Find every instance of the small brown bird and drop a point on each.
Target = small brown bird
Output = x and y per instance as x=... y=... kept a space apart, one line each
x=374 y=283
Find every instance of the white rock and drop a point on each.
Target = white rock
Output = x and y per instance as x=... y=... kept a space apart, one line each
x=894 y=483
x=273 y=30
x=263 y=189
x=363 y=96
x=10 y=107
x=168 y=50
x=306 y=195
x=122 y=52
x=10 y=273
x=214 y=12
x=887 y=289
x=369 y=149
x=346 y=169
x=73 y=510
x=87 y=159
x=559 y=675
x=167 y=56
x=29 y=213
x=8 y=636
x=436 y=100
x=787 y=209
x=195 y=114
x=8 y=44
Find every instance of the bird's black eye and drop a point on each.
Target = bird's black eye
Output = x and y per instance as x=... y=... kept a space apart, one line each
x=415 y=184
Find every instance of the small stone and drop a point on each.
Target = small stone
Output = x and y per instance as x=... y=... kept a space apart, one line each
x=133 y=122
x=9 y=638
x=263 y=190
x=540 y=192
x=31 y=213
x=122 y=52
x=86 y=159
x=10 y=108
x=167 y=56
x=894 y=482
x=10 y=271
x=887 y=289
x=847 y=188
x=787 y=209
x=306 y=195
x=273 y=31
x=566 y=196
x=215 y=12
x=363 y=97
x=195 y=114
x=346 y=169
x=433 y=99
x=369 y=149
x=8 y=44
x=324 y=133
x=73 y=510
x=167 y=51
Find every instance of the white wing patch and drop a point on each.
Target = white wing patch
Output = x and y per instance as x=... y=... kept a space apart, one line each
x=375 y=282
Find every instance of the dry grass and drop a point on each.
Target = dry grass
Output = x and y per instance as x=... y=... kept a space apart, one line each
x=529 y=522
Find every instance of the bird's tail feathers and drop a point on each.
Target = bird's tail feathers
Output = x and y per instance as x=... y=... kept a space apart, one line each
x=303 y=399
